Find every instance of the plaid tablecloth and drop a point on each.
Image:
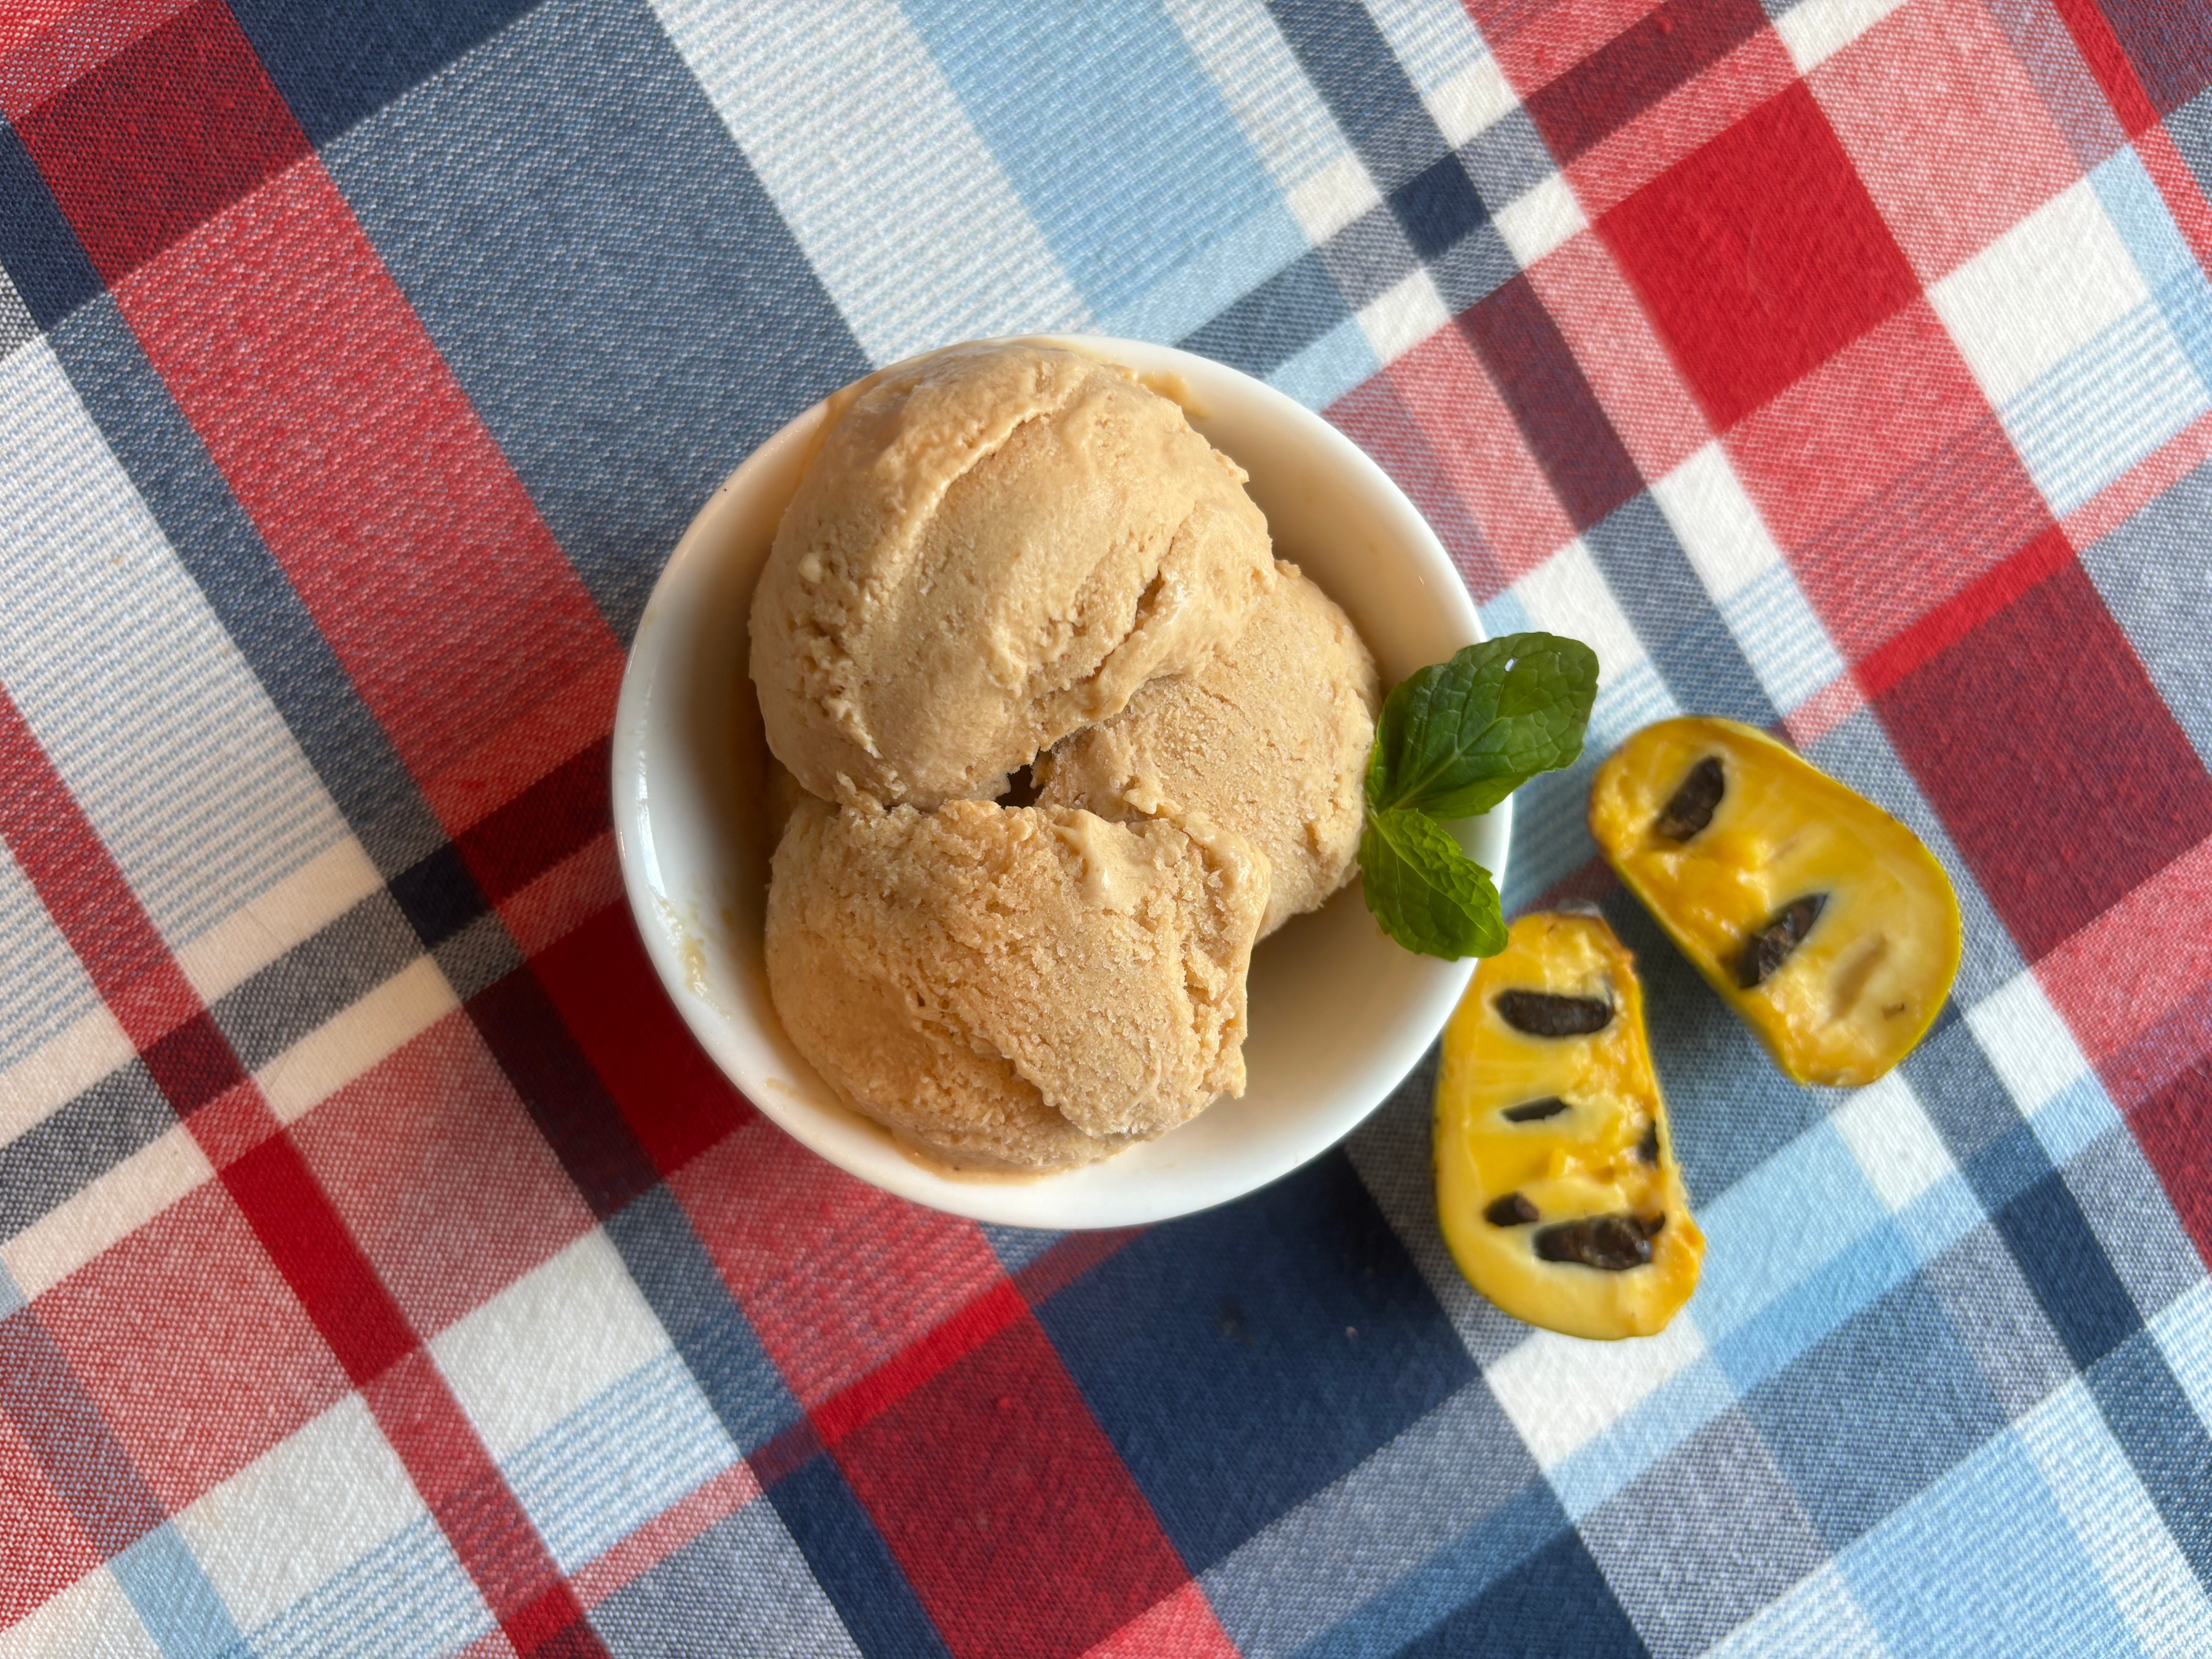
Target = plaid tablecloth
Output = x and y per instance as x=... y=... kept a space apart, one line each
x=386 y=1274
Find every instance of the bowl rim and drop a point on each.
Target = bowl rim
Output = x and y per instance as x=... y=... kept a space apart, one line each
x=1004 y=1201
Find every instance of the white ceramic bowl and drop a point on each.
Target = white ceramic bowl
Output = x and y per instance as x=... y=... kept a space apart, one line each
x=1338 y=1014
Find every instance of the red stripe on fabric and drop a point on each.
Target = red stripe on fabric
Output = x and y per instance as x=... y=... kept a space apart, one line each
x=702 y=1507
x=1069 y=1260
x=78 y=881
x=2135 y=965
x=2107 y=60
x=579 y=889
x=989 y=1483
x=2135 y=489
x=338 y=427
x=916 y=1364
x=1184 y=1624
x=34 y=66
x=318 y=394
x=42 y=1549
x=606 y=994
x=2174 y=1129
x=835 y=1276
x=524 y=751
x=1698 y=110
x=462 y=1488
x=1536 y=40
x=107 y=1497
x=1965 y=611
x=1637 y=68
x=302 y=1232
x=550 y=819
x=161 y=137
x=296 y=1225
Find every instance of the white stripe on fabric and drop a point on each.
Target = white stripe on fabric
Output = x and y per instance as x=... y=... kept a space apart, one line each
x=1403 y=316
x=146 y=708
x=1562 y=1393
x=1567 y=595
x=93 y=1619
x=1723 y=535
x=1283 y=118
x=122 y=1200
x=1821 y=1619
x=622 y=1458
x=850 y=125
x=44 y=990
x=550 y=1342
x=16 y=325
x=1332 y=198
x=1539 y=219
x=1472 y=101
x=2104 y=1501
x=2039 y=293
x=2084 y=423
x=72 y=1061
x=1890 y=1137
x=358 y=1037
x=1782 y=638
x=1815 y=30
x=316 y=894
x=1433 y=40
x=302 y=1513
x=2027 y=1041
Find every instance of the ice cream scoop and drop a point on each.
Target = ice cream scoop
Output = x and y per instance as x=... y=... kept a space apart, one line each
x=1268 y=738
x=1033 y=987
x=994 y=546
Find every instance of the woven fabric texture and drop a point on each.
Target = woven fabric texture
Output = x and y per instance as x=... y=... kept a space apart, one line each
x=384 y=1271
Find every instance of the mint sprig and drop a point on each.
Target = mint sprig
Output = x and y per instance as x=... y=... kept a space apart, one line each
x=1455 y=739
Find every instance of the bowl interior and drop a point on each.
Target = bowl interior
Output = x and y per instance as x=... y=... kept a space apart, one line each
x=1338 y=1013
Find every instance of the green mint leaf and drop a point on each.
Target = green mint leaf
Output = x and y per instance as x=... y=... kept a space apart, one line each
x=1426 y=893
x=1459 y=737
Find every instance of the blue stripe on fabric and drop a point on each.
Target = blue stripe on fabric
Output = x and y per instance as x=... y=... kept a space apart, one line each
x=1017 y=1247
x=1277 y=321
x=2132 y=203
x=1555 y=1602
x=2104 y=407
x=336 y=61
x=1115 y=139
x=617 y=1461
x=689 y=1297
x=1984 y=1562
x=1213 y=279
x=2185 y=302
x=615 y=293
x=1781 y=637
x=2164 y=1438
x=1750 y=1262
x=2074 y=1118
x=1366 y=88
x=11 y=1294
x=741 y=1576
x=1323 y=371
x=406 y=1599
x=1551 y=828
x=1643 y=1435
x=1841 y=1287
x=1939 y=1218
x=852 y=1564
x=43 y=257
x=1502 y=1541
x=1665 y=600
x=245 y=587
x=174 y=1600
x=2064 y=1263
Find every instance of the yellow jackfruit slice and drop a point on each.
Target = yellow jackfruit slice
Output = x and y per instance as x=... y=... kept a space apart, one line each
x=1556 y=1181
x=1818 y=917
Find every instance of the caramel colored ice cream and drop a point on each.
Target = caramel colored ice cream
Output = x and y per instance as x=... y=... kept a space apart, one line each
x=1269 y=738
x=1033 y=987
x=995 y=546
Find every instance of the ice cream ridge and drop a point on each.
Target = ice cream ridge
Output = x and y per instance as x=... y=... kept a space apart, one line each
x=1008 y=556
